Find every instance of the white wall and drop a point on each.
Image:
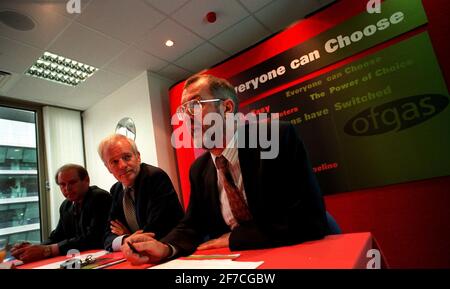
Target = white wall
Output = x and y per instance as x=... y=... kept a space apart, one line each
x=135 y=100
x=159 y=98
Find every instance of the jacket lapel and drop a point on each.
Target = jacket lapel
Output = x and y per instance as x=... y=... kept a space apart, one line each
x=210 y=177
x=139 y=204
x=212 y=191
x=249 y=161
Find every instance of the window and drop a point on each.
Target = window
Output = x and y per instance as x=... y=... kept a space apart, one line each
x=19 y=176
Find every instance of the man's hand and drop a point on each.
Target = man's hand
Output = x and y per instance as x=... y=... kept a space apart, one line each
x=150 y=250
x=32 y=253
x=20 y=245
x=124 y=240
x=221 y=242
x=118 y=228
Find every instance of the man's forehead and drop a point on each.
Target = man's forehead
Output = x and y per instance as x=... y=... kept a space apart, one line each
x=118 y=154
x=68 y=174
x=198 y=89
x=117 y=146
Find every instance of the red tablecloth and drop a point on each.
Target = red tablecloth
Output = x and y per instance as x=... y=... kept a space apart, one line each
x=344 y=251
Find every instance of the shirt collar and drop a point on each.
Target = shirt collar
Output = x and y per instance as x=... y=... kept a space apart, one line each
x=230 y=152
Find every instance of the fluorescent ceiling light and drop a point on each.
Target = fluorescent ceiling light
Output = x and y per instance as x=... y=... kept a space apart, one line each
x=60 y=69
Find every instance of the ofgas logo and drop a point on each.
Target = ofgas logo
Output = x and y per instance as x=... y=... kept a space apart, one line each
x=396 y=115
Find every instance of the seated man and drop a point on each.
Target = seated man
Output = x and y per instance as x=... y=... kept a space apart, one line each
x=83 y=218
x=143 y=198
x=239 y=199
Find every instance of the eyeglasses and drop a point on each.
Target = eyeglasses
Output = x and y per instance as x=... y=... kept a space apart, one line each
x=192 y=107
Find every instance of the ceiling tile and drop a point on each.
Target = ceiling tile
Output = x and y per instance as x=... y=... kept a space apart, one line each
x=175 y=73
x=104 y=82
x=48 y=24
x=134 y=61
x=154 y=42
x=241 y=35
x=125 y=20
x=83 y=98
x=201 y=58
x=85 y=45
x=254 y=5
x=167 y=6
x=280 y=14
x=17 y=57
x=60 y=7
x=10 y=83
x=193 y=16
x=43 y=91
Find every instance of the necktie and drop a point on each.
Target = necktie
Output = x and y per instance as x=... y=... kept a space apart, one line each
x=235 y=197
x=128 y=209
x=76 y=209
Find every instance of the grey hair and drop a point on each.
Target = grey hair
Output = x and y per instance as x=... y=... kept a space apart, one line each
x=106 y=142
x=219 y=87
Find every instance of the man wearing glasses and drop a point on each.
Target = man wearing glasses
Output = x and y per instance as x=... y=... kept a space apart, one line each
x=83 y=218
x=238 y=199
x=144 y=199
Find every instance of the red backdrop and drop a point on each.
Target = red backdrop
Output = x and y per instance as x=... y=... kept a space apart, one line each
x=410 y=221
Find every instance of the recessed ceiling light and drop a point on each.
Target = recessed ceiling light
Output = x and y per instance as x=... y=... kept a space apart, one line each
x=169 y=43
x=60 y=69
x=16 y=20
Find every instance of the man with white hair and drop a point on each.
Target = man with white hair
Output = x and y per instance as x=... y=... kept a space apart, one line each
x=143 y=198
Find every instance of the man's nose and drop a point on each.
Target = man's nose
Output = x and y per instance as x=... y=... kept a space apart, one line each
x=122 y=164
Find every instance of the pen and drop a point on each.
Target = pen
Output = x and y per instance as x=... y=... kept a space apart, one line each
x=133 y=248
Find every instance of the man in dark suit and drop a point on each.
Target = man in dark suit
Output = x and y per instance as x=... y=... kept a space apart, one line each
x=144 y=199
x=83 y=218
x=238 y=199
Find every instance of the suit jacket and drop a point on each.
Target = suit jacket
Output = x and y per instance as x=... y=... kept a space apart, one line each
x=282 y=194
x=82 y=230
x=157 y=207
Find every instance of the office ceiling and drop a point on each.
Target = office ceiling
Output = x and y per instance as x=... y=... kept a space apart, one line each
x=124 y=38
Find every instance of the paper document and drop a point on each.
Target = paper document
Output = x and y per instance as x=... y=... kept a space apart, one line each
x=216 y=256
x=55 y=265
x=207 y=264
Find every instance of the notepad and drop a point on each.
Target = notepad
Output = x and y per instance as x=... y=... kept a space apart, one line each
x=207 y=264
x=214 y=256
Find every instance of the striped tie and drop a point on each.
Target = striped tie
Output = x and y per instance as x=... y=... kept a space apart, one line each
x=128 y=209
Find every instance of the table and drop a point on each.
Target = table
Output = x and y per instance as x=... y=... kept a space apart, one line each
x=345 y=251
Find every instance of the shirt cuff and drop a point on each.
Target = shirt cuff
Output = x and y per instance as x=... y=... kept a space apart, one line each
x=117 y=243
x=173 y=249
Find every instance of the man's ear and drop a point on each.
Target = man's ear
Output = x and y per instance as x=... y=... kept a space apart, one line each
x=107 y=167
x=229 y=106
x=138 y=155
